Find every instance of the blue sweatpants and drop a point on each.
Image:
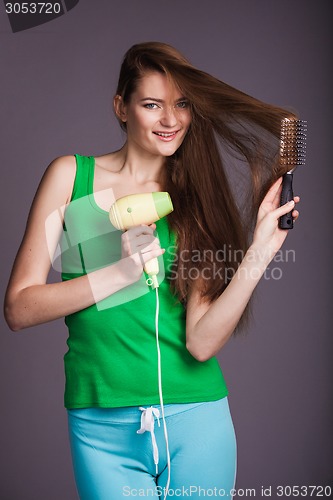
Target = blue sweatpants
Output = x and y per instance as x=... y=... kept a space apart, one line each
x=111 y=460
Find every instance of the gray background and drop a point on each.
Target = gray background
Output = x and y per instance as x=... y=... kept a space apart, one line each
x=56 y=98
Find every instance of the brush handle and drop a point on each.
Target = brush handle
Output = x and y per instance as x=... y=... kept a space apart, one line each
x=287 y=221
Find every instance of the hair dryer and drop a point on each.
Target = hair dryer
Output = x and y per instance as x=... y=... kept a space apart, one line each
x=142 y=208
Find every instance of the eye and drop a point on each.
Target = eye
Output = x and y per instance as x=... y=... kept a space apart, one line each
x=182 y=104
x=150 y=105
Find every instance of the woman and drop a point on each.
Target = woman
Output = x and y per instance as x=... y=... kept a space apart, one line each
x=182 y=127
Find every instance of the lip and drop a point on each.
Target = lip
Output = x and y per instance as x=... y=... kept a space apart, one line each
x=167 y=136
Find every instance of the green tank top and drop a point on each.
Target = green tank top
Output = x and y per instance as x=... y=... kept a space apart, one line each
x=111 y=359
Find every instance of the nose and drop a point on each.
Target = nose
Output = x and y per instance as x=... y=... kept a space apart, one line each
x=169 y=117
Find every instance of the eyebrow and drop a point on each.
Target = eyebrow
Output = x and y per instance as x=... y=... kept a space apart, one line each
x=161 y=100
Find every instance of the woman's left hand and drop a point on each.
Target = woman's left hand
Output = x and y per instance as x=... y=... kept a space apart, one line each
x=267 y=234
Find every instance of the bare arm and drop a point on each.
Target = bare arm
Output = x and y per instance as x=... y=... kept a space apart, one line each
x=209 y=327
x=29 y=299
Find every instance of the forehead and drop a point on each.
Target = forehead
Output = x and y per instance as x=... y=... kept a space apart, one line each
x=155 y=84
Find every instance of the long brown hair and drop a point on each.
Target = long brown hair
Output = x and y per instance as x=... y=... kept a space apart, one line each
x=230 y=133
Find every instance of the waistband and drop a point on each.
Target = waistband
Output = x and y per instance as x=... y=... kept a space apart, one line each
x=132 y=414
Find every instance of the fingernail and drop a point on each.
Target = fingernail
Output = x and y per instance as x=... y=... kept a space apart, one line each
x=291 y=202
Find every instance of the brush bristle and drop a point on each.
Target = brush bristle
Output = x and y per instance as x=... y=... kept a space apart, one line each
x=293 y=142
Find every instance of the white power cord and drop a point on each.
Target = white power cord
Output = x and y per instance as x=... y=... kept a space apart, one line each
x=161 y=394
x=148 y=414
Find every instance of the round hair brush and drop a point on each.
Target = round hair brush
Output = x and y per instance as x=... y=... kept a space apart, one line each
x=292 y=154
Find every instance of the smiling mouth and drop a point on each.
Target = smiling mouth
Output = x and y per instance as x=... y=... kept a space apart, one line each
x=166 y=135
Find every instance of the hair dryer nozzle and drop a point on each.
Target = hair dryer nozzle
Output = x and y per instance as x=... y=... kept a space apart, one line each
x=163 y=203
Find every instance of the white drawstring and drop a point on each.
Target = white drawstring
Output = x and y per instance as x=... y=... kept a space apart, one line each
x=147 y=424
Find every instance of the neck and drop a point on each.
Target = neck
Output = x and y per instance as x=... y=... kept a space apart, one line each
x=141 y=168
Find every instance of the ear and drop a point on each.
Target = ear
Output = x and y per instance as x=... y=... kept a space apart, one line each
x=120 y=108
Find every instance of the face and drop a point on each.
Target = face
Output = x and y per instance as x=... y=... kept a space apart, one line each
x=157 y=116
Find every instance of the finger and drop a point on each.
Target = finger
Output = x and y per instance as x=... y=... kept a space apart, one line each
x=273 y=191
x=142 y=229
x=295 y=214
x=143 y=257
x=277 y=198
x=144 y=240
x=147 y=255
x=135 y=243
x=284 y=209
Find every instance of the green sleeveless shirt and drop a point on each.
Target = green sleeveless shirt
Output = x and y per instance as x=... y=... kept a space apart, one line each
x=111 y=359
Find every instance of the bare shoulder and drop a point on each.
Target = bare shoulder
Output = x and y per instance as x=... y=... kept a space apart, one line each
x=63 y=162
x=60 y=174
x=62 y=168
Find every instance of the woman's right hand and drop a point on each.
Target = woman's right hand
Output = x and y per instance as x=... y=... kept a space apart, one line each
x=138 y=246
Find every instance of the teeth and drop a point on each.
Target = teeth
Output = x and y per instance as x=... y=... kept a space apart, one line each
x=164 y=135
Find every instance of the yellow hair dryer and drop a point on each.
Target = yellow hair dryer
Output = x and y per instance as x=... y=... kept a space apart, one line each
x=141 y=208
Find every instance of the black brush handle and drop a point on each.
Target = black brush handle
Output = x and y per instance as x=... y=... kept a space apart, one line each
x=287 y=221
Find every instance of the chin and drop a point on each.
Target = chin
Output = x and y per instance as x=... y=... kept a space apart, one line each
x=169 y=151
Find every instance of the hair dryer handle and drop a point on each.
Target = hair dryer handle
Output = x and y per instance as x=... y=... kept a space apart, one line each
x=151 y=268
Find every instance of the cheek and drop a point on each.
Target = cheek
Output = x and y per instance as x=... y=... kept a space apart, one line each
x=142 y=123
x=187 y=119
